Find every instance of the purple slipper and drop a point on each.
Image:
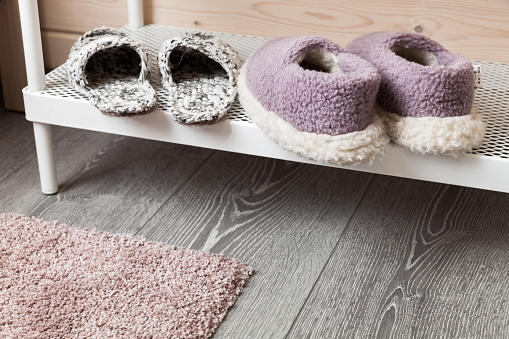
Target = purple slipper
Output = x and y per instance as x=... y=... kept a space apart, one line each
x=426 y=92
x=314 y=99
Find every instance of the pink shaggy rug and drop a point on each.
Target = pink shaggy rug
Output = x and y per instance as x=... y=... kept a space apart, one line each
x=58 y=281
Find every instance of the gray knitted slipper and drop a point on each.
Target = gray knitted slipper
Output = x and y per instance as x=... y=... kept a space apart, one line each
x=200 y=73
x=112 y=70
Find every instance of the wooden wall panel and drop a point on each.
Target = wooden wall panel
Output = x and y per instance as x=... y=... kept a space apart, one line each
x=12 y=61
x=56 y=46
x=480 y=30
x=82 y=15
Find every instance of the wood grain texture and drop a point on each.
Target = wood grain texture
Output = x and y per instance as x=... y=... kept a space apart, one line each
x=418 y=260
x=21 y=191
x=15 y=134
x=14 y=125
x=282 y=218
x=106 y=181
x=12 y=62
x=56 y=46
x=476 y=29
x=81 y=15
x=122 y=182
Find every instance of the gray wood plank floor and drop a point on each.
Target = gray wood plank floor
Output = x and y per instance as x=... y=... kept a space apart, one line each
x=418 y=260
x=337 y=253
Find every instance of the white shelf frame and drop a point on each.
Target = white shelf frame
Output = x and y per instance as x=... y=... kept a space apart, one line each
x=478 y=171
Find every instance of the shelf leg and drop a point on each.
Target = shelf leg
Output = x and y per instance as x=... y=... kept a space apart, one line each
x=135 y=12
x=45 y=158
x=32 y=45
x=31 y=32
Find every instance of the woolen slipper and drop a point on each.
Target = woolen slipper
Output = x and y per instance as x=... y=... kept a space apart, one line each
x=314 y=99
x=426 y=92
x=200 y=73
x=112 y=70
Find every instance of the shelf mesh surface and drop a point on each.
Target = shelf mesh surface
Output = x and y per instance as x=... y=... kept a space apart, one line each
x=492 y=101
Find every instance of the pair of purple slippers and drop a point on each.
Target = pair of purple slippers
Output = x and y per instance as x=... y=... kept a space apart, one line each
x=342 y=106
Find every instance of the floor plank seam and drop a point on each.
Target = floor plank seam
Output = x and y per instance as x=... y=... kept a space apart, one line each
x=174 y=193
x=72 y=178
x=33 y=155
x=330 y=256
x=5 y=137
x=25 y=163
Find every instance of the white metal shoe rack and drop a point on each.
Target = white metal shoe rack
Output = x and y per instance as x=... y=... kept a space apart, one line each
x=49 y=100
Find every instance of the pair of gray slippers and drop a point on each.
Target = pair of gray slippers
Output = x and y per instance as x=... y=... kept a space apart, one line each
x=199 y=71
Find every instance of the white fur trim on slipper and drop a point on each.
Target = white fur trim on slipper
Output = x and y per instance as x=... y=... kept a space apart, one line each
x=432 y=135
x=346 y=149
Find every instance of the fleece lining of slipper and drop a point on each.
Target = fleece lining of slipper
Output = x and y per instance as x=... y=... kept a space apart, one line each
x=343 y=149
x=112 y=70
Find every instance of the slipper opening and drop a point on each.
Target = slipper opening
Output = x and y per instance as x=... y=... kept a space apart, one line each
x=187 y=62
x=201 y=82
x=112 y=64
x=319 y=60
x=416 y=55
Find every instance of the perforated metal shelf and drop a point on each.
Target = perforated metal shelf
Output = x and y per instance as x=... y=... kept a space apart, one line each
x=492 y=100
x=60 y=104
